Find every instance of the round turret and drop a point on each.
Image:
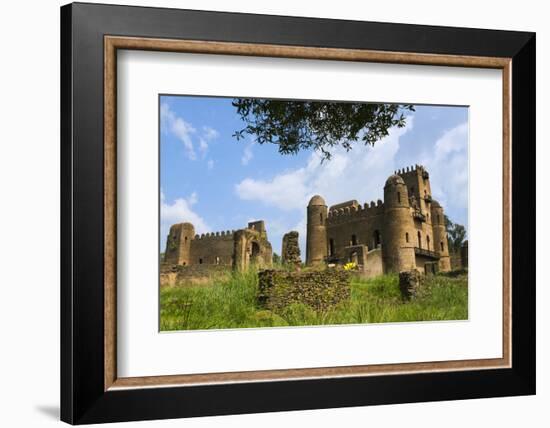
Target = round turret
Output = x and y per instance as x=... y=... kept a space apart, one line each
x=316 y=239
x=441 y=245
x=395 y=192
x=393 y=180
x=317 y=200
x=397 y=238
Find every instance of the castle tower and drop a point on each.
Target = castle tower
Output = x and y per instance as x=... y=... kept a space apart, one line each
x=441 y=245
x=417 y=181
x=316 y=239
x=398 y=232
x=178 y=244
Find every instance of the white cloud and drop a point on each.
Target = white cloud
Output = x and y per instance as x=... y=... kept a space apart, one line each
x=247 y=154
x=359 y=174
x=179 y=211
x=448 y=167
x=209 y=133
x=184 y=131
x=210 y=164
x=203 y=146
x=177 y=126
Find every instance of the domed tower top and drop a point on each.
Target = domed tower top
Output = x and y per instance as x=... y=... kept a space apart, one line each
x=394 y=180
x=317 y=201
x=395 y=192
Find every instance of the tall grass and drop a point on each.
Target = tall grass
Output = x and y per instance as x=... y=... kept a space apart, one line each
x=231 y=303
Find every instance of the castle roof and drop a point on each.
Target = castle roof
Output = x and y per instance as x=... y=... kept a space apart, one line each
x=393 y=180
x=317 y=200
x=435 y=204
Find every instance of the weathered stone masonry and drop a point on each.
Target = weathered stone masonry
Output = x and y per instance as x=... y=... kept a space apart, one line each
x=236 y=248
x=405 y=231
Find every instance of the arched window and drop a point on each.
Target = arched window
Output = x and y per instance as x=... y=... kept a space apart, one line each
x=407 y=237
x=427 y=242
x=438 y=218
x=442 y=246
x=353 y=240
x=217 y=260
x=419 y=240
x=185 y=239
x=398 y=197
x=321 y=218
x=200 y=261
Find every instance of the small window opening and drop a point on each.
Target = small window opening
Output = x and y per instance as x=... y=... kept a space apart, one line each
x=331 y=247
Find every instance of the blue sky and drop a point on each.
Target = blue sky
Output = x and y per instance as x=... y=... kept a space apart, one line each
x=217 y=183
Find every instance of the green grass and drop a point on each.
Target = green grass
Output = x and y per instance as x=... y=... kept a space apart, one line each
x=231 y=303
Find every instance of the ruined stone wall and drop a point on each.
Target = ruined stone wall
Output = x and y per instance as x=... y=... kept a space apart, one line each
x=319 y=289
x=290 y=253
x=374 y=266
x=212 y=249
x=173 y=275
x=178 y=243
x=250 y=248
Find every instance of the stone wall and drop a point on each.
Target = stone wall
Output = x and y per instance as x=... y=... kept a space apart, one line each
x=374 y=266
x=290 y=253
x=319 y=289
x=213 y=250
x=177 y=275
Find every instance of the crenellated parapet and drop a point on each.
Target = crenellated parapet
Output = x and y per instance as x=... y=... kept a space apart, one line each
x=354 y=212
x=419 y=169
x=224 y=234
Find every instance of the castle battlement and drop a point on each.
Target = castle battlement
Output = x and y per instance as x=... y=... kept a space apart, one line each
x=215 y=235
x=351 y=212
x=414 y=169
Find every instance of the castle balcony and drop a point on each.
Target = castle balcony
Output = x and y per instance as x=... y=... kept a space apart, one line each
x=417 y=215
x=426 y=253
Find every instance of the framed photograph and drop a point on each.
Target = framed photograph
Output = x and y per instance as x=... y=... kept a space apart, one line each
x=266 y=213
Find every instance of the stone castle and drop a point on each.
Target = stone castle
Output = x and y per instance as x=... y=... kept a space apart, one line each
x=236 y=248
x=406 y=231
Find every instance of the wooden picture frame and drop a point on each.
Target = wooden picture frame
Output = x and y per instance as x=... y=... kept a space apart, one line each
x=91 y=390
